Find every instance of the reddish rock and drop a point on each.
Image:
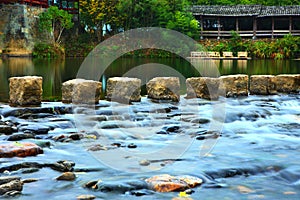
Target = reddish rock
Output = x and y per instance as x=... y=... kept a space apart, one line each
x=168 y=183
x=24 y=149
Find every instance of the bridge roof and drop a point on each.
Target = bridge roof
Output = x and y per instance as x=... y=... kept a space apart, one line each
x=246 y=10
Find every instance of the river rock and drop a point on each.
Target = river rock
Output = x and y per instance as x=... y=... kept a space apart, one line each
x=26 y=90
x=81 y=91
x=85 y=197
x=19 y=149
x=263 y=84
x=234 y=85
x=7 y=130
x=288 y=83
x=123 y=89
x=168 y=183
x=10 y=184
x=66 y=176
x=164 y=88
x=203 y=87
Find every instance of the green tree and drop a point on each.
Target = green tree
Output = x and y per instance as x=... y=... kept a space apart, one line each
x=55 y=21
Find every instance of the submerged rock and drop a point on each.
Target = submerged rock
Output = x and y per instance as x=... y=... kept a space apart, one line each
x=19 y=149
x=9 y=185
x=66 y=176
x=123 y=89
x=168 y=183
x=85 y=197
x=164 y=88
x=25 y=90
x=7 y=130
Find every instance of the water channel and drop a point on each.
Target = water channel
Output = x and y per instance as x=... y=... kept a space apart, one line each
x=254 y=153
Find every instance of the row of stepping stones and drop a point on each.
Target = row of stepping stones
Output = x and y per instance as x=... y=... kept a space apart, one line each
x=28 y=90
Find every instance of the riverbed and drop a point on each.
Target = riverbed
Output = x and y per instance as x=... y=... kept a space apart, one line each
x=242 y=148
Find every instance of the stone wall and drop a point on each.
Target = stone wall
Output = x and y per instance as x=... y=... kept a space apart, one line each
x=19 y=27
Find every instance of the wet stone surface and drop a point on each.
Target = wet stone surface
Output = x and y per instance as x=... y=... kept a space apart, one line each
x=113 y=150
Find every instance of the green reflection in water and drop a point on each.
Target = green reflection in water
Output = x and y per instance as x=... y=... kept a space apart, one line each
x=55 y=72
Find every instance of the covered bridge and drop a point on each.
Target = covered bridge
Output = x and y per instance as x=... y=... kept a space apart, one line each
x=248 y=20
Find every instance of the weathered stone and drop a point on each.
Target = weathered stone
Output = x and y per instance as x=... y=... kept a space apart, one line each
x=288 y=83
x=7 y=179
x=6 y=129
x=26 y=90
x=168 y=183
x=234 y=85
x=203 y=87
x=123 y=89
x=19 y=149
x=263 y=84
x=14 y=185
x=164 y=88
x=81 y=91
x=66 y=176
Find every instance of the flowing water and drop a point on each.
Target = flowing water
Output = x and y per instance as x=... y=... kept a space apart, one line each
x=243 y=148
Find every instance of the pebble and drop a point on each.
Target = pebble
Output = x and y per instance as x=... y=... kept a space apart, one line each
x=132 y=146
x=145 y=162
x=66 y=176
x=85 y=197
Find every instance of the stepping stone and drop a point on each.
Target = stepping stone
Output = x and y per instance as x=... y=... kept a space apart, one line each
x=164 y=89
x=123 y=89
x=81 y=91
x=26 y=90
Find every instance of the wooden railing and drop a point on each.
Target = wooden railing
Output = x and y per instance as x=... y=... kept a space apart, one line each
x=42 y=3
x=250 y=33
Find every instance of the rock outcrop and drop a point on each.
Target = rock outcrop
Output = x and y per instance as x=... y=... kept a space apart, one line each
x=164 y=89
x=123 y=89
x=81 y=91
x=26 y=90
x=203 y=87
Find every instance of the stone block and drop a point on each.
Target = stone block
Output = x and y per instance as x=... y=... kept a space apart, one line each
x=203 y=87
x=234 y=85
x=81 y=91
x=164 y=89
x=26 y=90
x=123 y=89
x=263 y=84
x=288 y=83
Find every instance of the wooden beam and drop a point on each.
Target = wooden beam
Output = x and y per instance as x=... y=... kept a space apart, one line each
x=254 y=27
x=237 y=24
x=219 y=28
x=201 y=30
x=273 y=26
x=290 y=24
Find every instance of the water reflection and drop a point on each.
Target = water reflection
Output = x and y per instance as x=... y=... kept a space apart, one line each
x=55 y=72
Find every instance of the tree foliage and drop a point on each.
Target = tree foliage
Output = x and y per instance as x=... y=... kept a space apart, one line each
x=55 y=21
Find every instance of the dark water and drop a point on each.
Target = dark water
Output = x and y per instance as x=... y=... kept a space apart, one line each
x=55 y=72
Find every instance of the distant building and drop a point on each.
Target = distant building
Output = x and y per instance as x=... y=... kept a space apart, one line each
x=255 y=21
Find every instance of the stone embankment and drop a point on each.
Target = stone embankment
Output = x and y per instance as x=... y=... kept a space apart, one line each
x=28 y=90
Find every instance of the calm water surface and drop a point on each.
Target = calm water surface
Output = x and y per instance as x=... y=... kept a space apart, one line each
x=55 y=72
